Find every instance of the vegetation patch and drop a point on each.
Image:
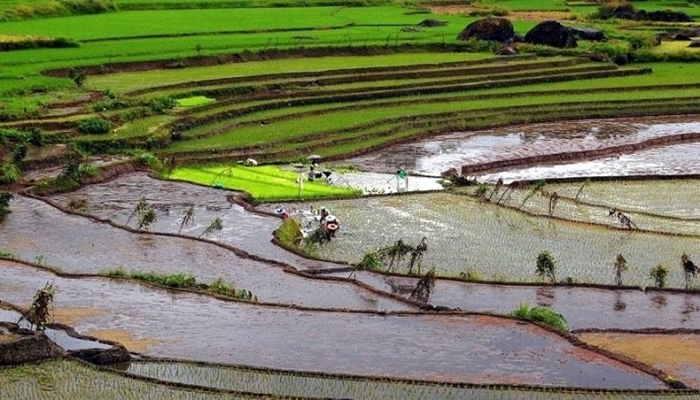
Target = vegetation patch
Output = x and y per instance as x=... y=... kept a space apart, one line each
x=264 y=183
x=183 y=281
x=541 y=314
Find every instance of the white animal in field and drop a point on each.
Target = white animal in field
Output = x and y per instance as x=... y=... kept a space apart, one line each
x=251 y=163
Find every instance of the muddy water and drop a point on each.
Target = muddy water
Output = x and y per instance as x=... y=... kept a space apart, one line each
x=582 y=307
x=37 y=231
x=668 y=160
x=58 y=336
x=438 y=154
x=453 y=348
x=116 y=200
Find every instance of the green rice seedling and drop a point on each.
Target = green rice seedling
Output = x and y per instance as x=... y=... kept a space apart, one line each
x=215 y=225
x=471 y=275
x=119 y=272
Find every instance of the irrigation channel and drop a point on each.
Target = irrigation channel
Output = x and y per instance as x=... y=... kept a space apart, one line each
x=319 y=316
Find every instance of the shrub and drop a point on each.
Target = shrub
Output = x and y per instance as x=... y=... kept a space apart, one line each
x=289 y=233
x=371 y=261
x=659 y=274
x=9 y=173
x=162 y=105
x=94 y=126
x=5 y=198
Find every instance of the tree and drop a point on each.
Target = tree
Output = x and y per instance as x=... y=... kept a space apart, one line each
x=78 y=76
x=659 y=274
x=39 y=313
x=620 y=267
x=546 y=266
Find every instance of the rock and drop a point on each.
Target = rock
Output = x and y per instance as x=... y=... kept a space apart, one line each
x=598 y=57
x=667 y=16
x=24 y=346
x=585 y=33
x=498 y=29
x=518 y=38
x=431 y=23
x=551 y=33
x=113 y=355
x=681 y=37
x=694 y=43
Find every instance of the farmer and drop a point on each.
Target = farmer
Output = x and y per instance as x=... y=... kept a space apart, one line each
x=324 y=215
x=331 y=226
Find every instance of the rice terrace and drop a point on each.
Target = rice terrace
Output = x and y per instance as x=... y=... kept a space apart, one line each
x=351 y=199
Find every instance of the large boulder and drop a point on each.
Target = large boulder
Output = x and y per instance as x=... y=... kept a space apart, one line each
x=585 y=33
x=23 y=346
x=551 y=33
x=498 y=29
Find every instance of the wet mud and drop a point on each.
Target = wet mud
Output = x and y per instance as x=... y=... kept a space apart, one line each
x=583 y=307
x=455 y=348
x=438 y=154
x=77 y=244
x=678 y=355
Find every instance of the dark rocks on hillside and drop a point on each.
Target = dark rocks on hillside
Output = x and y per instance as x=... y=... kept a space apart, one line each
x=664 y=16
x=431 y=23
x=498 y=29
x=681 y=37
x=694 y=43
x=552 y=33
x=518 y=38
x=585 y=33
x=113 y=355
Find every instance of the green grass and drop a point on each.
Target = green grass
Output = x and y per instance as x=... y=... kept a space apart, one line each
x=194 y=101
x=333 y=120
x=264 y=183
x=541 y=314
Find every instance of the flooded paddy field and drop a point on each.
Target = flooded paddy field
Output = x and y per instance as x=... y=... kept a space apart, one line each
x=500 y=244
x=667 y=160
x=287 y=383
x=77 y=244
x=438 y=154
x=62 y=379
x=652 y=205
x=116 y=200
x=583 y=307
x=179 y=325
